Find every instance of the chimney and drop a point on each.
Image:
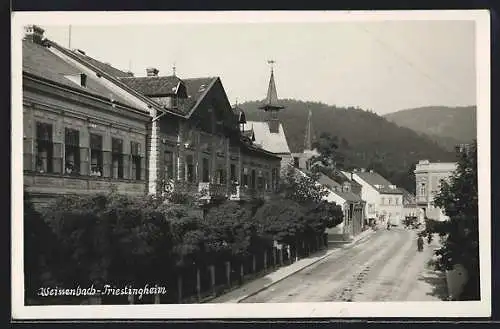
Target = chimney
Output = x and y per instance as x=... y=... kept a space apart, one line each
x=33 y=33
x=152 y=72
x=83 y=80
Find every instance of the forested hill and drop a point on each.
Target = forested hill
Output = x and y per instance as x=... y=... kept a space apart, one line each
x=366 y=139
x=446 y=125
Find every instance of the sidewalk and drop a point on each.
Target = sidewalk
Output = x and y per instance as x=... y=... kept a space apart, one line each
x=431 y=283
x=255 y=286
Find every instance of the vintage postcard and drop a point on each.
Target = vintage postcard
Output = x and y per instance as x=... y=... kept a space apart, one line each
x=222 y=165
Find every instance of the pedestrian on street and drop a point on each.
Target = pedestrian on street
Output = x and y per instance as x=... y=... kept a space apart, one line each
x=420 y=243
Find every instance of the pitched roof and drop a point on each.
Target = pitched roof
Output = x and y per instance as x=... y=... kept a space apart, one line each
x=196 y=89
x=378 y=182
x=347 y=177
x=272 y=142
x=333 y=186
x=271 y=101
x=106 y=67
x=407 y=196
x=152 y=86
x=193 y=86
x=38 y=60
x=247 y=146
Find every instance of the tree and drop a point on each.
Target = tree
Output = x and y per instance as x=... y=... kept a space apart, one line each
x=40 y=247
x=459 y=199
x=329 y=155
x=283 y=219
x=301 y=188
x=231 y=225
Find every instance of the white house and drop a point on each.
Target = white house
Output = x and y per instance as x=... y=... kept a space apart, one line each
x=352 y=206
x=384 y=201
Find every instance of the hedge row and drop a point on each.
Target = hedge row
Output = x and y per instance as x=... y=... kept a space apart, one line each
x=122 y=240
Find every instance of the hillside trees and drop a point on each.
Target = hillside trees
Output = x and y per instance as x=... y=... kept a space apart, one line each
x=370 y=137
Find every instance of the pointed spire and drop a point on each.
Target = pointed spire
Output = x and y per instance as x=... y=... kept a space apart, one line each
x=308 y=136
x=271 y=102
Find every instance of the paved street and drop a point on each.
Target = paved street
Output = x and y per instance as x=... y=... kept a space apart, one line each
x=385 y=267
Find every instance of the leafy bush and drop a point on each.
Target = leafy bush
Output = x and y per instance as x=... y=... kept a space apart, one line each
x=459 y=199
x=109 y=238
x=282 y=219
x=40 y=247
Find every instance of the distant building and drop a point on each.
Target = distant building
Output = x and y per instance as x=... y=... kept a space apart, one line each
x=428 y=176
x=303 y=160
x=270 y=135
x=384 y=201
x=352 y=205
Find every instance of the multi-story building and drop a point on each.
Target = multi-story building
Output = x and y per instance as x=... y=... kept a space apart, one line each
x=428 y=177
x=384 y=201
x=78 y=135
x=145 y=134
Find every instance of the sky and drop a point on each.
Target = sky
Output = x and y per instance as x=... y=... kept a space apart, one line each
x=383 y=66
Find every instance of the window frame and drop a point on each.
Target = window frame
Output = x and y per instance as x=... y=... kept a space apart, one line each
x=72 y=146
x=100 y=153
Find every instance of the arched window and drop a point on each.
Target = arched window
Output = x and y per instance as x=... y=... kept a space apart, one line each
x=423 y=189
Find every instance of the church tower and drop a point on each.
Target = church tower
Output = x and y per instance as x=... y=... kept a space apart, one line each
x=271 y=105
x=308 y=140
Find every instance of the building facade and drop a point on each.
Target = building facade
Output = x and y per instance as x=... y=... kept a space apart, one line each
x=353 y=207
x=384 y=201
x=428 y=177
x=78 y=136
x=152 y=134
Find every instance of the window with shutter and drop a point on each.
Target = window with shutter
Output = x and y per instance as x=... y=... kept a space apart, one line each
x=117 y=158
x=96 y=156
x=71 y=151
x=136 y=160
x=44 y=148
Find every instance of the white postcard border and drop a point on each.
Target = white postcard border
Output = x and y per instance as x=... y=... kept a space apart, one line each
x=263 y=311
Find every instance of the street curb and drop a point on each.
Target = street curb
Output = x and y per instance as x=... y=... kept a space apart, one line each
x=362 y=238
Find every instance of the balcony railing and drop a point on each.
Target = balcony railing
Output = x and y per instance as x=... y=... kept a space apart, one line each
x=246 y=193
x=210 y=190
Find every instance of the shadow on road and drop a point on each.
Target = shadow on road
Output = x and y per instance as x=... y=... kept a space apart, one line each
x=436 y=280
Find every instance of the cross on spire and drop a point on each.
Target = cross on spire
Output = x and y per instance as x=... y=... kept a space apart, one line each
x=173 y=69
